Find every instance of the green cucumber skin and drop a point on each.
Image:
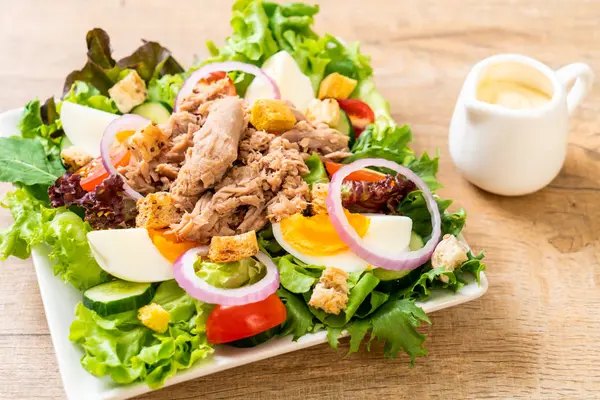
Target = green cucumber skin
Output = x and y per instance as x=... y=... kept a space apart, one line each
x=255 y=340
x=156 y=111
x=119 y=305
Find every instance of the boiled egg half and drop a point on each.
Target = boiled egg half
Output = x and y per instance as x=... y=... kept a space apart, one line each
x=137 y=254
x=293 y=84
x=313 y=240
x=84 y=126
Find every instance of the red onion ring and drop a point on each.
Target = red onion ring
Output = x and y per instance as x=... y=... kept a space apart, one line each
x=185 y=275
x=127 y=122
x=227 y=66
x=399 y=261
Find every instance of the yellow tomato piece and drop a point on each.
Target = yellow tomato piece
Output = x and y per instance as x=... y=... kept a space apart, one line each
x=316 y=235
x=168 y=244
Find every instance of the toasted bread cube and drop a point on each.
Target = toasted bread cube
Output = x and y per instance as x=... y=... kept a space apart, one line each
x=331 y=293
x=318 y=195
x=449 y=253
x=336 y=86
x=129 y=92
x=73 y=158
x=157 y=211
x=326 y=111
x=154 y=317
x=271 y=115
x=232 y=248
x=146 y=143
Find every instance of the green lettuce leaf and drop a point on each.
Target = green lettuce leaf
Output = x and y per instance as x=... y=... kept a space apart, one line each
x=165 y=89
x=150 y=60
x=299 y=320
x=25 y=231
x=120 y=347
x=383 y=140
x=230 y=275
x=251 y=40
x=71 y=253
x=474 y=266
x=317 y=173
x=295 y=276
x=85 y=94
x=25 y=161
x=414 y=206
x=62 y=230
x=268 y=244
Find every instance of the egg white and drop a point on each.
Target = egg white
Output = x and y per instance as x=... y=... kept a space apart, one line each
x=387 y=234
x=129 y=254
x=84 y=126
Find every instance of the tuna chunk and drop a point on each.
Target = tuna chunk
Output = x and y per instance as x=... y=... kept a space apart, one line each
x=214 y=151
x=320 y=139
x=268 y=186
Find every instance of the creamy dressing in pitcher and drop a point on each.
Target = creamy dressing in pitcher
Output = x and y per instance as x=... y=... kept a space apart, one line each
x=510 y=94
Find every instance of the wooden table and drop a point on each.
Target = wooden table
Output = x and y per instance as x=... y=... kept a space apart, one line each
x=535 y=335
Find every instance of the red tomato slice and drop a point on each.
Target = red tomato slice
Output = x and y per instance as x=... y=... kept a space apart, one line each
x=228 y=323
x=217 y=76
x=363 y=175
x=359 y=112
x=94 y=173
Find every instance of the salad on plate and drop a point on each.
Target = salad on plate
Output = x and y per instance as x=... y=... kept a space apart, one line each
x=263 y=192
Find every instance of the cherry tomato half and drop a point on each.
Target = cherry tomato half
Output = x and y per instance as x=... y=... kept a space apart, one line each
x=228 y=323
x=363 y=175
x=94 y=173
x=359 y=112
x=213 y=77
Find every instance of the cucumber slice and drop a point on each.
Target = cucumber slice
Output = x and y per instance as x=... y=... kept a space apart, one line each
x=345 y=125
x=153 y=110
x=416 y=243
x=388 y=275
x=117 y=296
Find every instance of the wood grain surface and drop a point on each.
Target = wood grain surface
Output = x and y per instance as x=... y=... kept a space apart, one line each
x=534 y=335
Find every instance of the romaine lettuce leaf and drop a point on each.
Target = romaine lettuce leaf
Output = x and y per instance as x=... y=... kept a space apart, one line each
x=85 y=94
x=299 y=320
x=122 y=348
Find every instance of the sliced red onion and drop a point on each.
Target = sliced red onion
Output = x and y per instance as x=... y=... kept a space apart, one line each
x=227 y=66
x=198 y=288
x=127 y=122
x=393 y=261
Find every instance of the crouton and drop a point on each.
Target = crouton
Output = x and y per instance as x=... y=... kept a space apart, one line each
x=331 y=293
x=74 y=159
x=129 y=92
x=336 y=86
x=154 y=317
x=326 y=111
x=146 y=143
x=232 y=248
x=450 y=253
x=157 y=211
x=318 y=195
x=271 y=115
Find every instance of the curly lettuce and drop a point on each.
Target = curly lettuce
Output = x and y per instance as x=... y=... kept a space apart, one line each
x=86 y=94
x=120 y=347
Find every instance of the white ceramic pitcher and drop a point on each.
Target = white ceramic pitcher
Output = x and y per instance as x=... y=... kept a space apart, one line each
x=516 y=151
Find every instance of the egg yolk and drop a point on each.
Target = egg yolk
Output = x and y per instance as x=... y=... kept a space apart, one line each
x=123 y=136
x=316 y=236
x=168 y=244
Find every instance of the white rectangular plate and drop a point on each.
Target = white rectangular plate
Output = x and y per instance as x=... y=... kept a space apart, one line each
x=60 y=300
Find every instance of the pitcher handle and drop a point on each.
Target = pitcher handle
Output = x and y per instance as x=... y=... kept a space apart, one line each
x=582 y=77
